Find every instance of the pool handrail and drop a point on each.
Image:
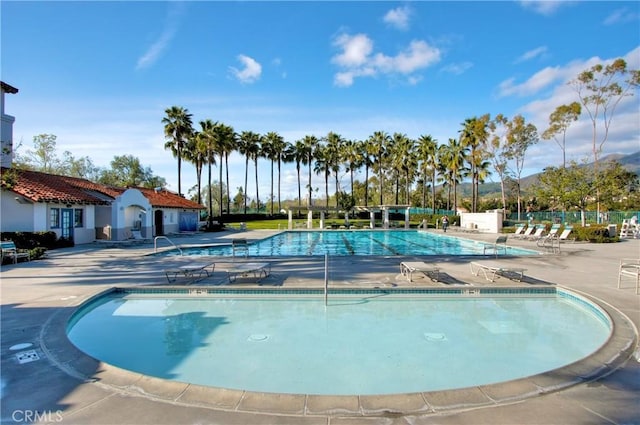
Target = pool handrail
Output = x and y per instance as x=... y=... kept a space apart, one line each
x=155 y=244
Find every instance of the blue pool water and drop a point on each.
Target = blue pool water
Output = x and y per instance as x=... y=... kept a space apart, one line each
x=358 y=242
x=372 y=342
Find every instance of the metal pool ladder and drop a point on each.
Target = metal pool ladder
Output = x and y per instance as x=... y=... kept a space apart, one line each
x=155 y=244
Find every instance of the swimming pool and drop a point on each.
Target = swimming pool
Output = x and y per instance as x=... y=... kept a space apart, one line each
x=356 y=242
x=364 y=342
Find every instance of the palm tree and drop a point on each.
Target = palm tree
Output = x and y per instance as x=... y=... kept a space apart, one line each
x=206 y=145
x=322 y=165
x=193 y=154
x=333 y=150
x=364 y=147
x=353 y=158
x=403 y=161
x=224 y=143
x=248 y=145
x=178 y=128
x=427 y=151
x=310 y=144
x=474 y=136
x=378 y=146
x=452 y=157
x=277 y=146
x=297 y=153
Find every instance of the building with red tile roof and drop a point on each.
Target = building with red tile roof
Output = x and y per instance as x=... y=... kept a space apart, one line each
x=85 y=211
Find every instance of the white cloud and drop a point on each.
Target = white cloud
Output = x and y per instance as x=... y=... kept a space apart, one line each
x=155 y=51
x=457 y=68
x=622 y=15
x=398 y=17
x=532 y=54
x=355 y=50
x=357 y=59
x=251 y=71
x=540 y=80
x=544 y=7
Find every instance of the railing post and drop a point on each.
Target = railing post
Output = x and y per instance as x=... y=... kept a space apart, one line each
x=326 y=279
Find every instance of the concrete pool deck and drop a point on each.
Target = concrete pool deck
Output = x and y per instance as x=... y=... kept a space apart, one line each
x=52 y=382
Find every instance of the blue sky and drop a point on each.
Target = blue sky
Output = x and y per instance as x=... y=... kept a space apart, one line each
x=99 y=75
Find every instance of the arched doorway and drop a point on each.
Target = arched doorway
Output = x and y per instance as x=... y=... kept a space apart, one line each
x=158 y=222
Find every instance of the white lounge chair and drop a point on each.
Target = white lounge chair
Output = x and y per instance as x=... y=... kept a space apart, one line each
x=537 y=234
x=629 y=267
x=564 y=236
x=528 y=232
x=499 y=244
x=491 y=271
x=519 y=229
x=408 y=268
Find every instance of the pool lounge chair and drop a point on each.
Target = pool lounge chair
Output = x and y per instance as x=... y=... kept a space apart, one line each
x=564 y=236
x=491 y=271
x=9 y=250
x=630 y=267
x=240 y=246
x=527 y=232
x=499 y=244
x=257 y=270
x=537 y=234
x=189 y=271
x=408 y=268
x=519 y=229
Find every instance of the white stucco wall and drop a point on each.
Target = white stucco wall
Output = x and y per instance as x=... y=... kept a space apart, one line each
x=15 y=217
x=488 y=222
x=128 y=208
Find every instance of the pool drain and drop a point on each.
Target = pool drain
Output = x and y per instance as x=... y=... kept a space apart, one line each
x=258 y=337
x=436 y=337
x=27 y=356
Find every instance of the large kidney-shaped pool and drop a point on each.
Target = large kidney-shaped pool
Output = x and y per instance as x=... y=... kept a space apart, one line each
x=362 y=342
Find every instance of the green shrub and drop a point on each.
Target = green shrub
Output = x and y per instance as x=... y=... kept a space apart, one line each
x=594 y=234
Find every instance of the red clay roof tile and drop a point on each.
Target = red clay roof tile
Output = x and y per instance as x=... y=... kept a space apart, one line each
x=51 y=188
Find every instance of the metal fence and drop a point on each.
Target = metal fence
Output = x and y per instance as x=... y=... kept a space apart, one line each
x=574 y=217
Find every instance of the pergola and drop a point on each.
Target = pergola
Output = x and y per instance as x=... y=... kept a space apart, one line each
x=385 y=209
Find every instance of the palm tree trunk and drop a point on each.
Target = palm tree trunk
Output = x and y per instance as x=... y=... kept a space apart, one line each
x=299 y=185
x=246 y=175
x=226 y=168
x=220 y=177
x=257 y=194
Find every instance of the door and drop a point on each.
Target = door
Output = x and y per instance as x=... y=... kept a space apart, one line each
x=158 y=216
x=66 y=223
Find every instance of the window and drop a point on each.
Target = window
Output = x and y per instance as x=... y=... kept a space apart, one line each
x=54 y=218
x=77 y=218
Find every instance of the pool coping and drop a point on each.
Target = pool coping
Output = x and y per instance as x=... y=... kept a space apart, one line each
x=604 y=361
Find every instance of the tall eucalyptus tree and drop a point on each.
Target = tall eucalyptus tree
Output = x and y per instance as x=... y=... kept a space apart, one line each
x=520 y=136
x=178 y=128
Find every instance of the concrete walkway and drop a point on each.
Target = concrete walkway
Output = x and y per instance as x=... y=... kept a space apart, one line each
x=44 y=379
